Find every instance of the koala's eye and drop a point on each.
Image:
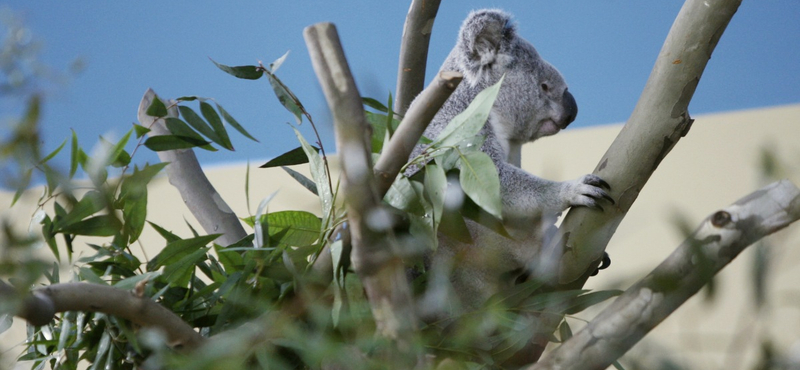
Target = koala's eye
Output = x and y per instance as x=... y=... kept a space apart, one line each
x=545 y=88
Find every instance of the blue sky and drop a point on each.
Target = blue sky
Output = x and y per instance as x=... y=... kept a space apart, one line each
x=605 y=49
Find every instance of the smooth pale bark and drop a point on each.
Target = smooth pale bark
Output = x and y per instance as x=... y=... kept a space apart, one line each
x=718 y=239
x=380 y=270
x=185 y=174
x=43 y=303
x=414 y=51
x=658 y=121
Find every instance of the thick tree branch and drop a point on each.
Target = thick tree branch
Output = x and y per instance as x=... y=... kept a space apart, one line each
x=395 y=153
x=658 y=121
x=719 y=239
x=381 y=271
x=40 y=307
x=185 y=174
x=414 y=51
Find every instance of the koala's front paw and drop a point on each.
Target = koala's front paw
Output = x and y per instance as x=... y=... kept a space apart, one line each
x=586 y=191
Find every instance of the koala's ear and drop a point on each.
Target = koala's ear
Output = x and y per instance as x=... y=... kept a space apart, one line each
x=484 y=35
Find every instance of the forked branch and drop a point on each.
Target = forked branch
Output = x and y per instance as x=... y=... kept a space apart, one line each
x=718 y=239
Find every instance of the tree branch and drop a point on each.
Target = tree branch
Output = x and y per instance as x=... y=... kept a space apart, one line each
x=718 y=239
x=658 y=121
x=416 y=120
x=40 y=307
x=414 y=51
x=185 y=174
x=382 y=273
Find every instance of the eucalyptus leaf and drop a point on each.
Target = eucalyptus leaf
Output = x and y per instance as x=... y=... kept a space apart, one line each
x=231 y=121
x=157 y=108
x=216 y=124
x=244 y=72
x=469 y=122
x=480 y=182
x=172 y=142
x=293 y=157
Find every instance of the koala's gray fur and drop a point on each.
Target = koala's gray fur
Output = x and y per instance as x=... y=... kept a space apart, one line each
x=533 y=102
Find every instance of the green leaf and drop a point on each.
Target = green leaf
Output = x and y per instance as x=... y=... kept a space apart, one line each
x=178 y=249
x=247 y=186
x=293 y=157
x=179 y=272
x=244 y=72
x=53 y=153
x=140 y=130
x=134 y=214
x=319 y=175
x=564 y=331
x=117 y=155
x=286 y=97
x=25 y=181
x=231 y=121
x=102 y=225
x=199 y=124
x=298 y=228
x=216 y=124
x=469 y=122
x=73 y=158
x=168 y=236
x=303 y=180
x=91 y=203
x=587 y=300
x=374 y=104
x=179 y=128
x=130 y=283
x=172 y=142
x=480 y=182
x=435 y=187
x=157 y=108
x=188 y=98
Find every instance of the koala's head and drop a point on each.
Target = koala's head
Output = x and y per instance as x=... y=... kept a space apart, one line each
x=534 y=100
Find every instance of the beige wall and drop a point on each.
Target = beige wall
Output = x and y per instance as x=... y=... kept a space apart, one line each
x=715 y=164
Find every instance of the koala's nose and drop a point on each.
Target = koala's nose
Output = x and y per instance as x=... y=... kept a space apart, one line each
x=570 y=107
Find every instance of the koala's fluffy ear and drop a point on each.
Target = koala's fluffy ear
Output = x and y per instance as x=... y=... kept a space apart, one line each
x=484 y=35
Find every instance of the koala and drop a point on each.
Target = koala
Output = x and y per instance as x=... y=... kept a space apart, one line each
x=533 y=102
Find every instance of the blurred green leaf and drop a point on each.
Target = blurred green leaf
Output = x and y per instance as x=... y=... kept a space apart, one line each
x=564 y=331
x=374 y=104
x=102 y=225
x=179 y=272
x=73 y=159
x=244 y=72
x=130 y=283
x=587 y=300
x=435 y=187
x=480 y=182
x=178 y=249
x=23 y=185
x=53 y=153
x=293 y=157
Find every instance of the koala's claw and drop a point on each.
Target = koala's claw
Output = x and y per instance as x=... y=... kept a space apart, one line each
x=588 y=190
